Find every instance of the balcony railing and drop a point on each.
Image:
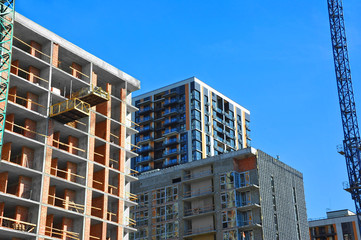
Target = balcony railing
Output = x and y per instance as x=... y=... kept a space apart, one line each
x=197 y=211
x=170 y=163
x=146 y=109
x=197 y=175
x=145 y=119
x=172 y=130
x=143 y=159
x=169 y=111
x=170 y=141
x=17 y=225
x=199 y=230
x=199 y=192
x=170 y=152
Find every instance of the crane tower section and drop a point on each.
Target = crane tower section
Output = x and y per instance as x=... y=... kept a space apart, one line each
x=351 y=142
x=6 y=40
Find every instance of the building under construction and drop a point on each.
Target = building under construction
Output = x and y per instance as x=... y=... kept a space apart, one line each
x=240 y=195
x=65 y=163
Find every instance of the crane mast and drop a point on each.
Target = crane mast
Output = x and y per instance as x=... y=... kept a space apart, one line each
x=6 y=41
x=351 y=142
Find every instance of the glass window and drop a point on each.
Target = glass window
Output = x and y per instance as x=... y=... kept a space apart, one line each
x=197 y=145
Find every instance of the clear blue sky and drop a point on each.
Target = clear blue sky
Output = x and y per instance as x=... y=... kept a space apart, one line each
x=272 y=57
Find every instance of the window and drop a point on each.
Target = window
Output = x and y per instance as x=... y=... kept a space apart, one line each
x=142 y=200
x=196 y=125
x=197 y=135
x=229 y=218
x=196 y=115
x=197 y=155
x=196 y=104
x=197 y=145
x=196 y=95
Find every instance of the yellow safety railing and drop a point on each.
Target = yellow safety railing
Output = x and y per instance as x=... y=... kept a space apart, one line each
x=131 y=196
x=69 y=105
x=130 y=221
x=17 y=224
x=67 y=145
x=66 y=172
x=61 y=233
x=132 y=171
x=71 y=205
x=25 y=99
x=78 y=71
x=29 y=73
x=26 y=44
x=93 y=89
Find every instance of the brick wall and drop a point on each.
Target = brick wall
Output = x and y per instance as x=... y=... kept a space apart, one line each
x=35 y=46
x=33 y=74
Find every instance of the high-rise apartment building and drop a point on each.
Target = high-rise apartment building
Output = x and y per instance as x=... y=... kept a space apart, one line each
x=187 y=121
x=339 y=225
x=65 y=164
x=240 y=195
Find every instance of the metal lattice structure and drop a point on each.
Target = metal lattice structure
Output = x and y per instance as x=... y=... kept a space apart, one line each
x=351 y=143
x=7 y=15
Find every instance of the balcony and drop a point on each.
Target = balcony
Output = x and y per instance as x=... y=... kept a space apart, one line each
x=142 y=159
x=198 y=193
x=170 y=141
x=170 y=93
x=198 y=211
x=191 y=176
x=219 y=129
x=229 y=115
x=170 y=111
x=171 y=162
x=170 y=131
x=145 y=129
x=218 y=119
x=246 y=205
x=198 y=231
x=144 y=139
x=170 y=102
x=145 y=110
x=145 y=149
x=170 y=152
x=145 y=119
x=145 y=100
x=141 y=169
x=217 y=109
x=170 y=121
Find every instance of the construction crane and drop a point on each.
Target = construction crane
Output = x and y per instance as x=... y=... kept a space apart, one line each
x=7 y=14
x=351 y=142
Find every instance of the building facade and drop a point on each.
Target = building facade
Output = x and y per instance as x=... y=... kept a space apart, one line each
x=244 y=194
x=65 y=163
x=187 y=121
x=339 y=225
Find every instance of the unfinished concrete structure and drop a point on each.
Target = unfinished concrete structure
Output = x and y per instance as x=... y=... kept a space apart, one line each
x=65 y=164
x=187 y=121
x=339 y=225
x=243 y=195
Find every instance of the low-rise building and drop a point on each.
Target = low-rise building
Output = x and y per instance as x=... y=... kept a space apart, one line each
x=245 y=194
x=339 y=225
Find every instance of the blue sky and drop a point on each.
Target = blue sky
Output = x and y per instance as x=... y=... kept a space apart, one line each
x=272 y=57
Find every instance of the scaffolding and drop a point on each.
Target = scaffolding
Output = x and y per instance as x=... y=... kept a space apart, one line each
x=93 y=95
x=6 y=39
x=69 y=110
